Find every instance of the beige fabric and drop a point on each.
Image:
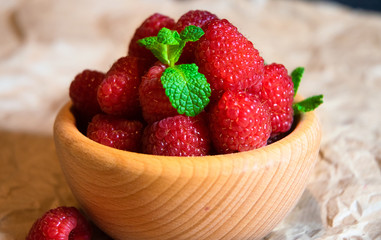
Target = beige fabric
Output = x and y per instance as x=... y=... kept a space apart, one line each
x=44 y=43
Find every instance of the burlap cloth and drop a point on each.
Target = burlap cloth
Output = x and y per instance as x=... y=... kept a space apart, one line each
x=44 y=43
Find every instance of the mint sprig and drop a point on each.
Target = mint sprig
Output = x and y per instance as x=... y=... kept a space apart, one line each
x=191 y=33
x=165 y=46
x=168 y=45
x=308 y=104
x=187 y=89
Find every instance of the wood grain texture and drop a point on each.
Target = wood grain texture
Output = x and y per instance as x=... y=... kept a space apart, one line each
x=233 y=196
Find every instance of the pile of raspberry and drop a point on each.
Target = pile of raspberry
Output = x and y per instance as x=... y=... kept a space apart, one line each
x=127 y=108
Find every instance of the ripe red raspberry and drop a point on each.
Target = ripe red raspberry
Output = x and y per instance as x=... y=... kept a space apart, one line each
x=61 y=223
x=278 y=92
x=83 y=92
x=177 y=136
x=239 y=122
x=150 y=27
x=228 y=60
x=153 y=100
x=118 y=94
x=116 y=132
x=196 y=18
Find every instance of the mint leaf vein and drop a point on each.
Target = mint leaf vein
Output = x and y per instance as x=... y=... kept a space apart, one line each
x=186 y=88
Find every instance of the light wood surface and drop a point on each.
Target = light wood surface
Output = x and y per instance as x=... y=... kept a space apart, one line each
x=233 y=196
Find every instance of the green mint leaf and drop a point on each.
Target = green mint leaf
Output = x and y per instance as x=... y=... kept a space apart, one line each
x=191 y=33
x=168 y=45
x=158 y=49
x=187 y=89
x=169 y=37
x=148 y=42
x=296 y=76
x=308 y=104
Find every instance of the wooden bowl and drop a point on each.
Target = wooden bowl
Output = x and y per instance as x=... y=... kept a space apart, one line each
x=233 y=196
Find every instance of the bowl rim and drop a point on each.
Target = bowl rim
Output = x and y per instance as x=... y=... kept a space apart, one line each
x=65 y=128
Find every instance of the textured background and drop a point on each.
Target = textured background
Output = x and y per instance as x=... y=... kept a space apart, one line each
x=44 y=44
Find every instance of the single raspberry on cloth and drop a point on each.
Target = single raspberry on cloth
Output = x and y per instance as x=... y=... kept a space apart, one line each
x=61 y=223
x=116 y=132
x=239 y=122
x=177 y=136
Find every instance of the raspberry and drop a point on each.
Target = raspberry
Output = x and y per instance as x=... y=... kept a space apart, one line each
x=61 y=223
x=115 y=132
x=239 y=122
x=118 y=94
x=83 y=92
x=177 y=136
x=196 y=18
x=228 y=60
x=150 y=27
x=153 y=100
x=278 y=92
